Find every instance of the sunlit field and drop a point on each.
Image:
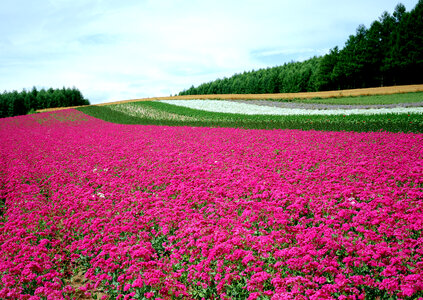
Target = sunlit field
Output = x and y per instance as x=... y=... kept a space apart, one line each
x=222 y=113
x=92 y=209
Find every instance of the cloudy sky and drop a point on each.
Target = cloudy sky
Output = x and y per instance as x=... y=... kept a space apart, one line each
x=115 y=50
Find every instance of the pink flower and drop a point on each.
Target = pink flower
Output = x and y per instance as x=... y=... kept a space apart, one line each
x=331 y=213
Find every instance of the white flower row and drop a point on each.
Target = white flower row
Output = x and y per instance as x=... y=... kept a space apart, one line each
x=251 y=109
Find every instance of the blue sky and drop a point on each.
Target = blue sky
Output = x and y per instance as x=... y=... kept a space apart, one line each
x=116 y=50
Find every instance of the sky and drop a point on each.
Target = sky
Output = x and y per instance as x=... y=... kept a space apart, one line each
x=118 y=50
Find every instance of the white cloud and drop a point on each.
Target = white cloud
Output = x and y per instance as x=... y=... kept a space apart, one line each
x=115 y=50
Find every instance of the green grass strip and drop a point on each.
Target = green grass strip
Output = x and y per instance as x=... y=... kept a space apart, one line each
x=363 y=100
x=168 y=115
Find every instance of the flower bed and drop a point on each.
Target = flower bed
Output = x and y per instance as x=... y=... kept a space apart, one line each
x=129 y=211
x=223 y=106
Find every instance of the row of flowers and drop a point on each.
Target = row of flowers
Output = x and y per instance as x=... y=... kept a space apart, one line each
x=223 y=106
x=216 y=213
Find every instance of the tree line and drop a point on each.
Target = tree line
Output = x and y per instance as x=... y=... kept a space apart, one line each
x=389 y=52
x=20 y=103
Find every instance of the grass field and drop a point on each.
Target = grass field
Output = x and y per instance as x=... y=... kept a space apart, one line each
x=157 y=113
x=365 y=100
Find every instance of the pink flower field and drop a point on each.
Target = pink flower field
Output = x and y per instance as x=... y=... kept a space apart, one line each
x=95 y=210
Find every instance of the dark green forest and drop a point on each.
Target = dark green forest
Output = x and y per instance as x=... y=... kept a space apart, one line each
x=390 y=52
x=20 y=103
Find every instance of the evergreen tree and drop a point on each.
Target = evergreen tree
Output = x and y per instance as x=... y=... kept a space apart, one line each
x=389 y=52
x=19 y=103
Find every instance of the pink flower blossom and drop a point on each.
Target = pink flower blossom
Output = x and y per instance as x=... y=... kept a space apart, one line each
x=172 y=211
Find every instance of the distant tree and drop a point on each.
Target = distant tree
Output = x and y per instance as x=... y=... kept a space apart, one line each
x=42 y=99
x=19 y=103
x=10 y=104
x=389 y=52
x=411 y=37
x=391 y=48
x=28 y=101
